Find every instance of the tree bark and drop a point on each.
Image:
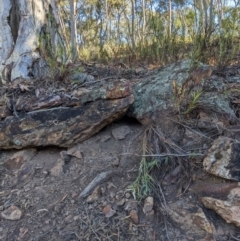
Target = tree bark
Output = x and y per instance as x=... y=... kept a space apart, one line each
x=73 y=29
x=22 y=25
x=133 y=27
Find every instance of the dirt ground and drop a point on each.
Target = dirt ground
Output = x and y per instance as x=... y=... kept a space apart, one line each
x=48 y=189
x=82 y=193
x=49 y=200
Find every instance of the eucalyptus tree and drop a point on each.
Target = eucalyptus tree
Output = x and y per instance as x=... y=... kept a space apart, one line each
x=74 y=48
x=29 y=28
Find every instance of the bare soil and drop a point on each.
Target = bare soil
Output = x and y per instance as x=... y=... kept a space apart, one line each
x=51 y=206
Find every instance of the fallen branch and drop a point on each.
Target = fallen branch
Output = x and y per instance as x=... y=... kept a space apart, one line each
x=96 y=181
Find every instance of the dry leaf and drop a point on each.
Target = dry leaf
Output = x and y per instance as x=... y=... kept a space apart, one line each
x=24 y=87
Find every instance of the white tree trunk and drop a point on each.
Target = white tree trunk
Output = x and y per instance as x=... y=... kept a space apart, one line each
x=21 y=22
x=73 y=29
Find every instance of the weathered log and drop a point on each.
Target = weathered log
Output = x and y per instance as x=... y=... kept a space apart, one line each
x=61 y=126
x=79 y=96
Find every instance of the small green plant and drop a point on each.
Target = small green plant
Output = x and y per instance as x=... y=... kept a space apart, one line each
x=194 y=101
x=144 y=182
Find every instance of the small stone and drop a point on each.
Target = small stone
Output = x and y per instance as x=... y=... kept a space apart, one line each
x=115 y=161
x=128 y=195
x=134 y=216
x=78 y=77
x=68 y=219
x=112 y=194
x=45 y=173
x=121 y=202
x=108 y=211
x=75 y=218
x=12 y=213
x=74 y=194
x=57 y=170
x=94 y=196
x=130 y=205
x=148 y=205
x=121 y=132
x=75 y=152
x=90 y=207
x=19 y=158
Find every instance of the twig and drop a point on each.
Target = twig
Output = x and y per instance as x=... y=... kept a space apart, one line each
x=165 y=154
x=163 y=197
x=60 y=200
x=234 y=237
x=96 y=181
x=165 y=207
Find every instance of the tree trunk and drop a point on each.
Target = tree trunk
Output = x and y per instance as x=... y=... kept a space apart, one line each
x=133 y=27
x=143 y=20
x=25 y=25
x=170 y=18
x=73 y=29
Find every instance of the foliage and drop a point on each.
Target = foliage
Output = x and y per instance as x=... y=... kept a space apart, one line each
x=194 y=101
x=144 y=183
x=56 y=56
x=105 y=30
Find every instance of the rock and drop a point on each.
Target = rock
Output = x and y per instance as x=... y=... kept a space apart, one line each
x=134 y=216
x=216 y=190
x=130 y=205
x=61 y=126
x=148 y=205
x=190 y=220
x=228 y=209
x=65 y=157
x=128 y=195
x=108 y=211
x=121 y=202
x=74 y=151
x=81 y=77
x=12 y=213
x=121 y=132
x=223 y=158
x=57 y=170
x=116 y=161
x=94 y=196
x=19 y=158
x=159 y=95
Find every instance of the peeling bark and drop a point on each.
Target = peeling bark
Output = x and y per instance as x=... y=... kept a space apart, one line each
x=21 y=22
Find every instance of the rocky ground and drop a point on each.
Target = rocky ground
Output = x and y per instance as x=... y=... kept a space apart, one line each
x=47 y=188
x=176 y=178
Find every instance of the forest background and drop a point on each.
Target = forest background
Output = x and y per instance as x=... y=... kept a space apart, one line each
x=152 y=31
